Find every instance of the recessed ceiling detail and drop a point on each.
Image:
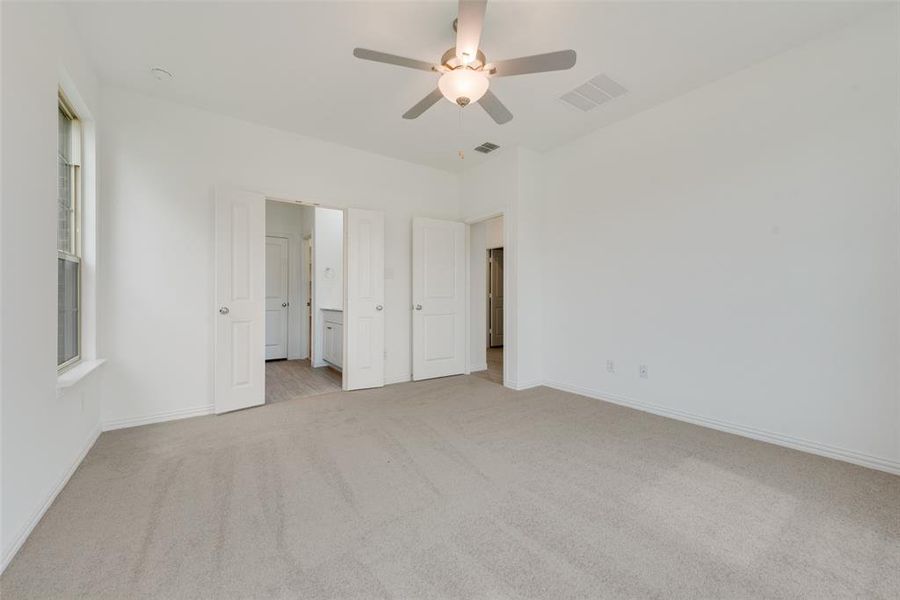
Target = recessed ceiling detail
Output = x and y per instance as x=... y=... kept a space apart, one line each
x=591 y=94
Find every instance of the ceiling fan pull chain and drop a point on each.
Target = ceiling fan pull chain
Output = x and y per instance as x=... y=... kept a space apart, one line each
x=462 y=155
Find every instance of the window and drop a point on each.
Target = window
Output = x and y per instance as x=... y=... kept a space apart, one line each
x=68 y=234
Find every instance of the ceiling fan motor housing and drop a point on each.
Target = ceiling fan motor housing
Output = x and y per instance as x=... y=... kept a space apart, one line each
x=450 y=60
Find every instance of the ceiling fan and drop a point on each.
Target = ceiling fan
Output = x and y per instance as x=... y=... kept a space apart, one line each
x=465 y=71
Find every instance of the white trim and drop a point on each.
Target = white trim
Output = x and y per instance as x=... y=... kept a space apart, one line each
x=39 y=514
x=76 y=373
x=506 y=379
x=467 y=313
x=487 y=217
x=172 y=415
x=525 y=385
x=826 y=450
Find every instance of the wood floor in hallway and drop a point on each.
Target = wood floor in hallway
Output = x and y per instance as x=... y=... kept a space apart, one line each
x=293 y=379
x=494 y=370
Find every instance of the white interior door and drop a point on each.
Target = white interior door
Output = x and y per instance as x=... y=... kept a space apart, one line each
x=439 y=298
x=240 y=300
x=363 y=363
x=277 y=261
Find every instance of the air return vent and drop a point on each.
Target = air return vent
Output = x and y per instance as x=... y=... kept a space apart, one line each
x=591 y=94
x=486 y=148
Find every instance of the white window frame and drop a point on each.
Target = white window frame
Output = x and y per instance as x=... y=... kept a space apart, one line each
x=75 y=252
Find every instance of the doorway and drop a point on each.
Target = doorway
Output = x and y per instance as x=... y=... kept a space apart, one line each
x=486 y=289
x=239 y=369
x=304 y=300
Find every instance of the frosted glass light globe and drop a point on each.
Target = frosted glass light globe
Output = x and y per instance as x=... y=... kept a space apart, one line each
x=463 y=85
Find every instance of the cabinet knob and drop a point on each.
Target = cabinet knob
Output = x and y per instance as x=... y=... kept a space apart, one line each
x=379 y=307
x=418 y=307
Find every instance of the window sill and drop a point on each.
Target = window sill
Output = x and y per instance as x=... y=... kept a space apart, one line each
x=72 y=376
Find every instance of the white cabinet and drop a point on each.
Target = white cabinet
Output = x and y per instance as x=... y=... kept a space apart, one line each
x=333 y=346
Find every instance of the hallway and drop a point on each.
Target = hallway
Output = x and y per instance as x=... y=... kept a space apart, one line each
x=292 y=379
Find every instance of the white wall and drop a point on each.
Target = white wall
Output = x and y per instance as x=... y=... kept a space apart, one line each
x=160 y=161
x=328 y=262
x=44 y=433
x=329 y=258
x=742 y=242
x=287 y=220
x=494 y=233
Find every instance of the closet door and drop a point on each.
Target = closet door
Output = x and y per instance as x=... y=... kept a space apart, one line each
x=439 y=298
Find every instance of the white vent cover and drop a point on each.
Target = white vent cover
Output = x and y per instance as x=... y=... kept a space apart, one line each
x=486 y=148
x=591 y=94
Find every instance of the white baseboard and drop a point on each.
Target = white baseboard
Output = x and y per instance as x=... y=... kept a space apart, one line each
x=524 y=385
x=476 y=368
x=39 y=513
x=172 y=415
x=828 y=451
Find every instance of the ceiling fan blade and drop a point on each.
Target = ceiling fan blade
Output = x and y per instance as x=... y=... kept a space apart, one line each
x=469 y=23
x=539 y=63
x=499 y=113
x=423 y=104
x=392 y=59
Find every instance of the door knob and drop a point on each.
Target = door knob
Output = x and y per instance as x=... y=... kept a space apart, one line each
x=284 y=305
x=418 y=307
x=379 y=307
x=223 y=310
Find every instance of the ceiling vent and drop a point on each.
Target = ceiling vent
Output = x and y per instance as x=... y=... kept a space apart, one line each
x=591 y=94
x=486 y=148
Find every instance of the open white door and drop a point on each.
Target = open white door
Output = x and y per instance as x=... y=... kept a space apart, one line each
x=439 y=298
x=363 y=363
x=240 y=300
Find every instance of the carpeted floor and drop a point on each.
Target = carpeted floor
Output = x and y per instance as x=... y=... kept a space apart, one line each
x=458 y=488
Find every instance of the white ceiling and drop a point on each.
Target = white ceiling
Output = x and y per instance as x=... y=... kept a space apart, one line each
x=290 y=65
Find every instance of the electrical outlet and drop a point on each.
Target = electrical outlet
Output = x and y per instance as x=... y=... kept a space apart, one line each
x=610 y=366
x=642 y=372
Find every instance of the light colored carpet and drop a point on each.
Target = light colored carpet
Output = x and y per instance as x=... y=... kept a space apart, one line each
x=458 y=488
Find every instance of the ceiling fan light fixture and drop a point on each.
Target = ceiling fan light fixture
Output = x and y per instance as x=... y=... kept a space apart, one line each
x=463 y=86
